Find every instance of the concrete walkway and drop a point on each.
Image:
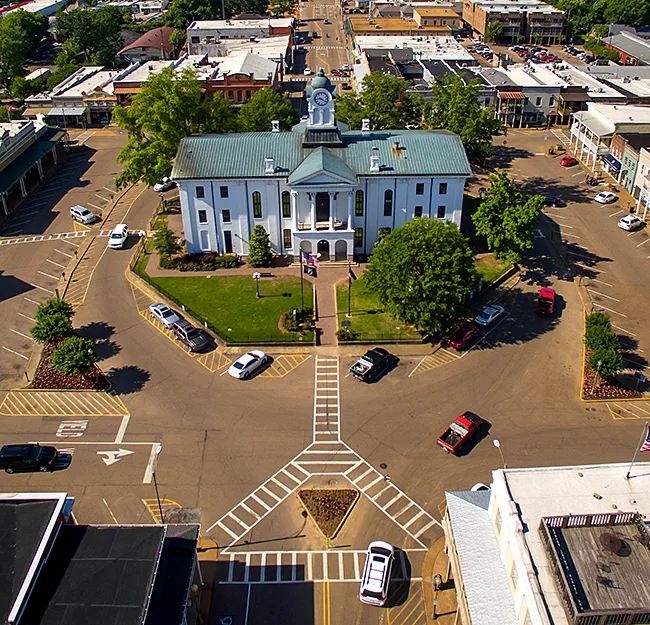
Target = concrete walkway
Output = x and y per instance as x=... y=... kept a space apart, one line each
x=440 y=606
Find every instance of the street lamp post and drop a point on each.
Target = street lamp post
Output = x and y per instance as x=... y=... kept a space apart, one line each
x=596 y=377
x=256 y=276
x=497 y=443
x=155 y=482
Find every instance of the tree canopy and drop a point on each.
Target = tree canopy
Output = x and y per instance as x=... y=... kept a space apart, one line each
x=94 y=33
x=265 y=106
x=259 y=248
x=167 y=109
x=456 y=108
x=20 y=34
x=494 y=32
x=422 y=273
x=280 y=8
x=506 y=216
x=384 y=100
x=75 y=355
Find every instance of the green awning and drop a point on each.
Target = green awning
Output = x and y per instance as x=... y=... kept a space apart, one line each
x=17 y=168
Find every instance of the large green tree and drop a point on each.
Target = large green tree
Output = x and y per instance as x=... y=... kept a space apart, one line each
x=166 y=242
x=456 y=108
x=94 y=33
x=384 y=100
x=20 y=34
x=506 y=216
x=181 y=13
x=259 y=248
x=280 y=8
x=494 y=32
x=167 y=109
x=265 y=106
x=422 y=273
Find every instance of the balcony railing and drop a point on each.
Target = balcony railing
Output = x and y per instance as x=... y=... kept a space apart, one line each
x=323 y=225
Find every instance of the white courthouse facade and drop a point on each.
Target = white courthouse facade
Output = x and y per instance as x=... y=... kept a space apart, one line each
x=321 y=188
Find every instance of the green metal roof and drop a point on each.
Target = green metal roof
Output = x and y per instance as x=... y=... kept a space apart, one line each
x=401 y=153
x=322 y=160
x=20 y=165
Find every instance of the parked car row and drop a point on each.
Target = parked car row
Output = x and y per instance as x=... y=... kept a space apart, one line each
x=482 y=50
x=193 y=338
x=465 y=334
x=583 y=56
x=535 y=54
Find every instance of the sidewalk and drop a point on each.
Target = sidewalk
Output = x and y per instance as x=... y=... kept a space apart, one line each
x=436 y=563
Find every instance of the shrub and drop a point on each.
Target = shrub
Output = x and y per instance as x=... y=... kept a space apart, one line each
x=166 y=242
x=611 y=361
x=346 y=334
x=75 y=355
x=51 y=328
x=259 y=248
x=207 y=261
x=54 y=306
x=601 y=337
x=302 y=321
x=598 y=319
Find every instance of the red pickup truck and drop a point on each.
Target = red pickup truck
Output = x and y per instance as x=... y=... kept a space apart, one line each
x=459 y=432
x=545 y=302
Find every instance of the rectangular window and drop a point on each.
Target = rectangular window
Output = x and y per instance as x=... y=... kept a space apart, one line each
x=358 y=204
x=286 y=235
x=417 y=212
x=223 y=191
x=358 y=237
x=200 y=192
x=225 y=215
x=538 y=102
x=248 y=95
x=231 y=95
x=441 y=212
x=205 y=240
x=240 y=95
x=196 y=39
x=227 y=241
x=551 y=101
x=442 y=188
x=419 y=188
x=203 y=217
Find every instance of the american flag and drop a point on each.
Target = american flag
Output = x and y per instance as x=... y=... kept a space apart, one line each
x=646 y=443
x=310 y=260
x=351 y=276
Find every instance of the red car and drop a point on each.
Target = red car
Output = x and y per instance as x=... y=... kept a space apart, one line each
x=459 y=432
x=545 y=302
x=568 y=161
x=463 y=336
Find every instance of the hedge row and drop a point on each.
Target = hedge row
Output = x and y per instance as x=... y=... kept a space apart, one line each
x=606 y=357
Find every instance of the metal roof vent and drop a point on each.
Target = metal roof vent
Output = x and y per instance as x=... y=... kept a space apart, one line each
x=374 y=163
x=275 y=126
x=365 y=124
x=269 y=168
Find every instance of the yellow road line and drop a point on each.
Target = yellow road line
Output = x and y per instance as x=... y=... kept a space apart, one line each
x=284 y=364
x=327 y=608
x=154 y=509
x=616 y=411
x=402 y=607
x=35 y=403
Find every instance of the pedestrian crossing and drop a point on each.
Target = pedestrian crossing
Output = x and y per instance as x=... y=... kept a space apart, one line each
x=58 y=236
x=559 y=134
x=277 y=567
x=327 y=403
x=440 y=357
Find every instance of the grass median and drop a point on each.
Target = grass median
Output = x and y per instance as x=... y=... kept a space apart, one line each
x=369 y=320
x=229 y=305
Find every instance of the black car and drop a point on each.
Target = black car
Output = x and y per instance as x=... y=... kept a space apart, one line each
x=194 y=339
x=371 y=364
x=31 y=458
x=552 y=200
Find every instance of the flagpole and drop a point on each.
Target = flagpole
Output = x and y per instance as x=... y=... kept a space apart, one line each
x=302 y=291
x=644 y=434
x=349 y=288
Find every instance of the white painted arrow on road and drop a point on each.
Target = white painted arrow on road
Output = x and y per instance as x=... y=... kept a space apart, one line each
x=114 y=456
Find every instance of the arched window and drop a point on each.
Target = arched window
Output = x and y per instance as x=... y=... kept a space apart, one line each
x=286 y=204
x=388 y=203
x=358 y=204
x=257 y=205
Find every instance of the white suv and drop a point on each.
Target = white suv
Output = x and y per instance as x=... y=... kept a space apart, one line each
x=82 y=215
x=118 y=237
x=376 y=573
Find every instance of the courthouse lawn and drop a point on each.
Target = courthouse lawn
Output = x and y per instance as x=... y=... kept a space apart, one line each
x=368 y=318
x=229 y=305
x=490 y=268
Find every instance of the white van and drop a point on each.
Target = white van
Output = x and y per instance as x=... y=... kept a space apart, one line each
x=118 y=236
x=376 y=573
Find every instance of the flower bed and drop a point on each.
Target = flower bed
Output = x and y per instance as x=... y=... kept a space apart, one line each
x=329 y=507
x=48 y=377
x=601 y=388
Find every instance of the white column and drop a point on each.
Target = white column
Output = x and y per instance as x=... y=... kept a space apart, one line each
x=350 y=204
x=4 y=203
x=23 y=188
x=294 y=209
x=40 y=168
x=331 y=195
x=312 y=208
x=54 y=156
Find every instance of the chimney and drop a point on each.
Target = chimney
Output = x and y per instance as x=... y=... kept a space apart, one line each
x=374 y=163
x=275 y=126
x=268 y=165
x=365 y=124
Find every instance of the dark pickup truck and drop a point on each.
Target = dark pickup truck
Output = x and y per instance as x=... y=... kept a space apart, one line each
x=459 y=432
x=370 y=364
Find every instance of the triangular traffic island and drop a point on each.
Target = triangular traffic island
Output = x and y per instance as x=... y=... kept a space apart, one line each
x=328 y=508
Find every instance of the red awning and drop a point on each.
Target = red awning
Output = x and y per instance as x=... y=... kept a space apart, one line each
x=511 y=95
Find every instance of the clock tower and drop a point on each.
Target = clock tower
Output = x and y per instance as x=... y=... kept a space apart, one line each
x=320 y=99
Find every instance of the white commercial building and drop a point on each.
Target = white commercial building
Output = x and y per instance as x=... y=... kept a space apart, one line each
x=206 y=32
x=320 y=188
x=553 y=546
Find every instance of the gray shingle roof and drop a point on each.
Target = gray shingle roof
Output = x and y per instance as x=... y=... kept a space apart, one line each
x=634 y=46
x=241 y=155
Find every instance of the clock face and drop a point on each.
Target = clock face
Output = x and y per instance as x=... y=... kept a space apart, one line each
x=321 y=98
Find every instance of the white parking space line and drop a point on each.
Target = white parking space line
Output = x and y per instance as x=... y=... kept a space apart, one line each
x=49 y=275
x=109 y=190
x=568 y=234
x=32 y=301
x=110 y=512
x=21 y=334
x=600 y=281
x=17 y=353
x=148 y=473
x=99 y=208
x=20 y=223
x=26 y=317
x=637 y=364
x=602 y=295
x=617 y=213
x=53 y=263
x=576 y=175
x=101 y=198
x=13 y=232
x=557 y=215
x=41 y=287
x=623 y=330
x=64 y=253
x=416 y=366
x=610 y=310
x=643 y=242
x=69 y=242
x=119 y=438
x=567 y=226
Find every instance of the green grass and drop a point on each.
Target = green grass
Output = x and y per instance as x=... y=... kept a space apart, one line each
x=490 y=268
x=229 y=305
x=141 y=265
x=368 y=319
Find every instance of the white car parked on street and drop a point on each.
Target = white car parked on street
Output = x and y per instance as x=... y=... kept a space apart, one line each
x=606 y=197
x=376 y=573
x=244 y=366
x=630 y=222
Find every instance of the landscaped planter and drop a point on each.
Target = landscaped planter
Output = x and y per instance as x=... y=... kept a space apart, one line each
x=329 y=508
x=595 y=387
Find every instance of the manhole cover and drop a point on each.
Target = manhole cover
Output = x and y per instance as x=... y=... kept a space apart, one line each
x=383 y=465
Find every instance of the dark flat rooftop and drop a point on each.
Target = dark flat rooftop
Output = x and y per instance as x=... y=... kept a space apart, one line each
x=96 y=575
x=22 y=527
x=611 y=565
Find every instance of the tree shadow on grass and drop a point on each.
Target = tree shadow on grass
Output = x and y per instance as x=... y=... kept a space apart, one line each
x=128 y=379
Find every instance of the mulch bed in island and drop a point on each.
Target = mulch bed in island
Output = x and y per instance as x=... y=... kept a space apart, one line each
x=602 y=388
x=328 y=507
x=48 y=377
